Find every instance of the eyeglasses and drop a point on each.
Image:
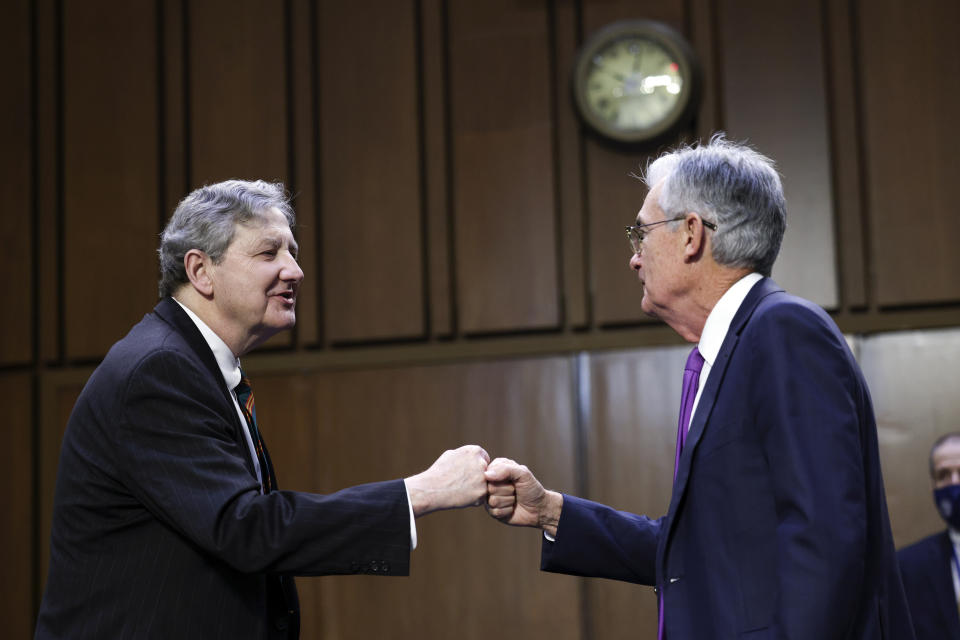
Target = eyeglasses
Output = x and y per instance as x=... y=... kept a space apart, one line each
x=636 y=233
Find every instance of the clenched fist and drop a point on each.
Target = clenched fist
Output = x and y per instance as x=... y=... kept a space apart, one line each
x=455 y=480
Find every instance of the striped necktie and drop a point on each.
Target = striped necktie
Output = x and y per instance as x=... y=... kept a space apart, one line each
x=249 y=410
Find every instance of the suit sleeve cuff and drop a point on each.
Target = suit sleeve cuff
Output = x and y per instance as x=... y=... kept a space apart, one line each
x=413 y=521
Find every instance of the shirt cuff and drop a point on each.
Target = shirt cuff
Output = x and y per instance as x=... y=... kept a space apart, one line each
x=413 y=521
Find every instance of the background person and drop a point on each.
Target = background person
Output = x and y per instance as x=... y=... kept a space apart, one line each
x=929 y=567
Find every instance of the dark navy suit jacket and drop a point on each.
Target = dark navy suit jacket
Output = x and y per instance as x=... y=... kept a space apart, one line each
x=159 y=527
x=778 y=526
x=925 y=567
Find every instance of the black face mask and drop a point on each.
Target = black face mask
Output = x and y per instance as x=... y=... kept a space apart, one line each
x=947 y=500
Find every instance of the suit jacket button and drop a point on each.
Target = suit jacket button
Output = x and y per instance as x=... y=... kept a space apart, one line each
x=280 y=623
x=374 y=566
x=385 y=567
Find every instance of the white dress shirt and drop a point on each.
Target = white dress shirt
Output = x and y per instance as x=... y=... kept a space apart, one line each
x=230 y=370
x=716 y=327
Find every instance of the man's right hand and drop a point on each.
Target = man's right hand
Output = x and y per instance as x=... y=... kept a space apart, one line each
x=454 y=481
x=517 y=498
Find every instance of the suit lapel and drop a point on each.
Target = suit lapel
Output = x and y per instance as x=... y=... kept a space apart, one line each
x=170 y=312
x=708 y=398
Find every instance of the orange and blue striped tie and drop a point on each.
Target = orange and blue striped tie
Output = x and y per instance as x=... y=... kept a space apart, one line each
x=249 y=409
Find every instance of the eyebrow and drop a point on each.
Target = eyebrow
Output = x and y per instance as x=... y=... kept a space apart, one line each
x=276 y=242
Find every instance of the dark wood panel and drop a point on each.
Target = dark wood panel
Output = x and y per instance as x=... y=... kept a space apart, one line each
x=613 y=197
x=16 y=534
x=910 y=100
x=110 y=201
x=631 y=439
x=371 y=201
x=17 y=288
x=503 y=166
x=238 y=93
x=774 y=96
x=391 y=423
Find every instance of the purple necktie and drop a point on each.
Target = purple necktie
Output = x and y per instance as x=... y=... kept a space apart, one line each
x=691 y=381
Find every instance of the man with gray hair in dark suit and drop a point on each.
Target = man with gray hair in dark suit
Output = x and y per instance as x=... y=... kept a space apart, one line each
x=168 y=522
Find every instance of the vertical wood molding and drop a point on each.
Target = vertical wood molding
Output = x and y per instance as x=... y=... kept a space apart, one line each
x=435 y=130
x=49 y=175
x=569 y=157
x=173 y=96
x=303 y=146
x=703 y=38
x=845 y=129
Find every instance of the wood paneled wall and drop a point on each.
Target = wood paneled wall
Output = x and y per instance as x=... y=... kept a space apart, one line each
x=451 y=207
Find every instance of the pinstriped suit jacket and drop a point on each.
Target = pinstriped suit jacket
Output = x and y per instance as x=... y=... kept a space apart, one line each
x=159 y=529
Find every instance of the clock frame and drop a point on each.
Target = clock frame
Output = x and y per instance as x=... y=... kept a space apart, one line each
x=636 y=82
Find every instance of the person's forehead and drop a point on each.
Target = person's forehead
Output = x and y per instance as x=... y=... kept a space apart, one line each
x=947 y=453
x=650 y=206
x=269 y=227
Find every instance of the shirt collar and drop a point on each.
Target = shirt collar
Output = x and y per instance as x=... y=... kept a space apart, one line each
x=718 y=322
x=954 y=536
x=229 y=364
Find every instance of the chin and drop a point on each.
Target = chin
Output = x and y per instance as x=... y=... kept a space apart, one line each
x=648 y=307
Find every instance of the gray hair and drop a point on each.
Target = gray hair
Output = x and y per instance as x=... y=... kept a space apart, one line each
x=207 y=219
x=732 y=186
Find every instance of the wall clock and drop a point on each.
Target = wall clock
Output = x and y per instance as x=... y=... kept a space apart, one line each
x=636 y=81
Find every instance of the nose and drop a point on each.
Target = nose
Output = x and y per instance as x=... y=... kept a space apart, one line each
x=635 y=262
x=291 y=271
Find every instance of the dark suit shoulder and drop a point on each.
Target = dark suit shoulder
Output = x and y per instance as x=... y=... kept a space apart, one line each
x=937 y=545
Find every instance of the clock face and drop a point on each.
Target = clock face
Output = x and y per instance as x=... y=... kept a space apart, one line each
x=634 y=81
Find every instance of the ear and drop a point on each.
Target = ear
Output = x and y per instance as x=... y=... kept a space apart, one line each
x=695 y=234
x=197 y=264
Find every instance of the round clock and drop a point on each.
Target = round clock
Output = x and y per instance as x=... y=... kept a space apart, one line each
x=636 y=81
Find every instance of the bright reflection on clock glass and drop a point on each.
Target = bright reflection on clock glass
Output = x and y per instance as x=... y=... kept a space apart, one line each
x=633 y=83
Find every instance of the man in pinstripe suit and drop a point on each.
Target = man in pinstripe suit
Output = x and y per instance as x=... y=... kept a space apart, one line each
x=167 y=522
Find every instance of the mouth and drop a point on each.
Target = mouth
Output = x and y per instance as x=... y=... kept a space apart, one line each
x=287 y=297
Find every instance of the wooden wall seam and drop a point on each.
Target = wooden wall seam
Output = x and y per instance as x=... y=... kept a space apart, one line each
x=863 y=185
